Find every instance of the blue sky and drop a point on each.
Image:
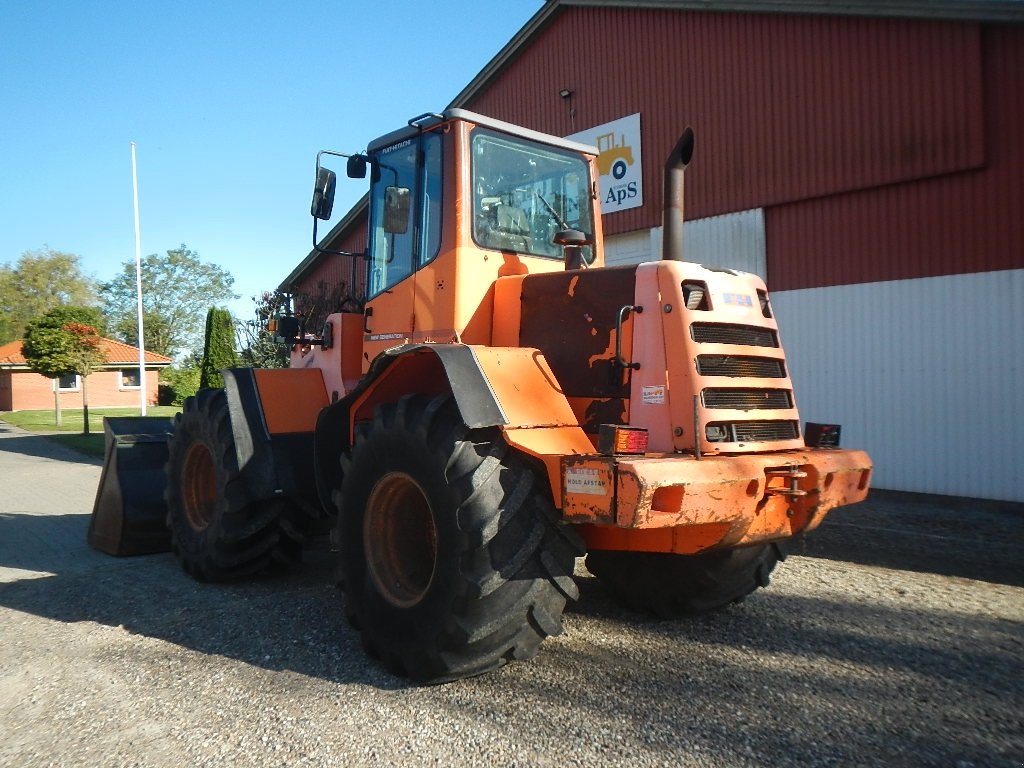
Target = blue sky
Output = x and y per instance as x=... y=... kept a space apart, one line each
x=227 y=102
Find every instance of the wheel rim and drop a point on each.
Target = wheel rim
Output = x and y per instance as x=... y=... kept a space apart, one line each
x=400 y=540
x=199 y=486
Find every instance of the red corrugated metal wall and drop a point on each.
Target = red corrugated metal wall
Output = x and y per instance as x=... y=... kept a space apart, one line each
x=962 y=222
x=790 y=109
x=332 y=270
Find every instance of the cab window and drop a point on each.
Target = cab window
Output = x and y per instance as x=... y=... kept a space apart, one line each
x=525 y=192
x=405 y=210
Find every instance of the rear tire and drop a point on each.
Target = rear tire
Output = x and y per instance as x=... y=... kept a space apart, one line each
x=670 y=585
x=453 y=558
x=217 y=530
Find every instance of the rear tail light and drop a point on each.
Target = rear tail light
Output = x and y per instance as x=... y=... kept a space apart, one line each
x=618 y=440
x=822 y=435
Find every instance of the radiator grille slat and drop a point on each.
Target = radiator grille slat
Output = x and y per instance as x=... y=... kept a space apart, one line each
x=721 y=333
x=747 y=399
x=751 y=431
x=740 y=366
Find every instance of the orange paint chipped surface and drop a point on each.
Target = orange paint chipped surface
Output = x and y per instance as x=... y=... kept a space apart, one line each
x=712 y=503
x=525 y=387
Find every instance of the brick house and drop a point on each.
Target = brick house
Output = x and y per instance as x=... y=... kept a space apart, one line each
x=116 y=384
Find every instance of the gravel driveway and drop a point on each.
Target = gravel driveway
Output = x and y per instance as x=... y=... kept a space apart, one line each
x=894 y=636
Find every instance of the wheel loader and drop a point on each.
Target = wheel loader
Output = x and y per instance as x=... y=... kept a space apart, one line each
x=502 y=404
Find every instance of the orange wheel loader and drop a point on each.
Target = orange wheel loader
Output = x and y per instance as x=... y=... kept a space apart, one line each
x=502 y=404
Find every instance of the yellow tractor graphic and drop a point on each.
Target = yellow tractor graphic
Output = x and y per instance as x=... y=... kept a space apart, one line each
x=613 y=158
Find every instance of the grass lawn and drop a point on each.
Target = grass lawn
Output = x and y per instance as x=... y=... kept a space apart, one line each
x=70 y=433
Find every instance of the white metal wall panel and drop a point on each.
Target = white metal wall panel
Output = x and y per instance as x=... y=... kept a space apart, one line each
x=631 y=248
x=925 y=374
x=733 y=240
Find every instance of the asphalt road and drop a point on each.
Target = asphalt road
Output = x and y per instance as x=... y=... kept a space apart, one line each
x=892 y=636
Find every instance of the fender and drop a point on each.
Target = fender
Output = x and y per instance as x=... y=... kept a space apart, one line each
x=273 y=413
x=511 y=388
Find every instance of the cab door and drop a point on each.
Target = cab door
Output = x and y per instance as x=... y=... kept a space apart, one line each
x=400 y=239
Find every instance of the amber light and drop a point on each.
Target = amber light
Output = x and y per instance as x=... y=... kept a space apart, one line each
x=616 y=439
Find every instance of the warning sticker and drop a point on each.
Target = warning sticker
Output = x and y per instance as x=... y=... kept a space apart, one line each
x=653 y=395
x=583 y=480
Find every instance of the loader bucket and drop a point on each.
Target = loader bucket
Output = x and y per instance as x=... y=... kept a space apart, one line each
x=129 y=515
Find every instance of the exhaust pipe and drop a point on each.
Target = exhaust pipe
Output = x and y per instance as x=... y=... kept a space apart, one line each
x=672 y=198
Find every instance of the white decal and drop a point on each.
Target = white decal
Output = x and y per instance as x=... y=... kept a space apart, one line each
x=653 y=395
x=582 y=480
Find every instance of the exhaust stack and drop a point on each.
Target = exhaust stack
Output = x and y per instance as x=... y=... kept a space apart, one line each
x=672 y=197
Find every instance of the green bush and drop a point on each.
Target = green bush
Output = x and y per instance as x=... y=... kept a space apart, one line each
x=219 y=350
x=178 y=383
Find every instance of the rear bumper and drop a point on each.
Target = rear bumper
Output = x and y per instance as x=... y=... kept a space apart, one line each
x=681 y=504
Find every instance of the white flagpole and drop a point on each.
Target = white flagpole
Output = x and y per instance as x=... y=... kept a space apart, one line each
x=138 y=288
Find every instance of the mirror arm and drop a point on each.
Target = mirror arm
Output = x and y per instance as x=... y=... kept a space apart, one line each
x=331 y=251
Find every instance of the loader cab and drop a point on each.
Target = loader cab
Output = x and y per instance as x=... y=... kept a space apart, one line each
x=456 y=201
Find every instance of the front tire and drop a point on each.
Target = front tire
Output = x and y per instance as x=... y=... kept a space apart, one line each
x=453 y=558
x=217 y=530
x=670 y=585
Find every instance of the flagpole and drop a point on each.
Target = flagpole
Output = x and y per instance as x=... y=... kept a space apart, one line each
x=138 y=288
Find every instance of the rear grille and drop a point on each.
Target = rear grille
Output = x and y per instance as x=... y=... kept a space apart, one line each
x=752 y=431
x=755 y=367
x=747 y=399
x=748 y=335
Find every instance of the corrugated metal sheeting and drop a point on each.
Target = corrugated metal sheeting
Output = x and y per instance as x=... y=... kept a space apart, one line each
x=963 y=222
x=925 y=374
x=784 y=107
x=733 y=241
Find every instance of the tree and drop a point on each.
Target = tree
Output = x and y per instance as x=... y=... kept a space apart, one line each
x=63 y=342
x=86 y=355
x=38 y=282
x=219 y=349
x=176 y=291
x=258 y=347
x=317 y=303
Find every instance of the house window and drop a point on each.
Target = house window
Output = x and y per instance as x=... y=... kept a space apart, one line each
x=130 y=378
x=68 y=383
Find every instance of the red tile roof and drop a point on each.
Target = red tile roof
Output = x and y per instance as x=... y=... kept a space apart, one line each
x=116 y=352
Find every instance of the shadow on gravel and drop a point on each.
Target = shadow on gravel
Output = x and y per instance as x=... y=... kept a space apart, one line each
x=800 y=697
x=967 y=538
x=809 y=680
x=43 y=447
x=813 y=681
x=289 y=622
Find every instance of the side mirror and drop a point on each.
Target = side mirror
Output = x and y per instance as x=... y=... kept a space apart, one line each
x=356 y=167
x=397 y=202
x=323 y=194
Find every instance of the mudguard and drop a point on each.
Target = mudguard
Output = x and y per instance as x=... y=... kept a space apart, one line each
x=511 y=388
x=272 y=417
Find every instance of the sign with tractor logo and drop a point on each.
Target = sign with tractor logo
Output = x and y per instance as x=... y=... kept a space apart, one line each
x=619 y=164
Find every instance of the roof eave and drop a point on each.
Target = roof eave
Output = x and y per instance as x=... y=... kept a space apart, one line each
x=996 y=11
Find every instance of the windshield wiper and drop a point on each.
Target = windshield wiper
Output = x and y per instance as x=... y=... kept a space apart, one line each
x=551 y=210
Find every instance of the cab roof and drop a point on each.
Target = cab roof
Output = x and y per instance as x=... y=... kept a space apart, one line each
x=423 y=122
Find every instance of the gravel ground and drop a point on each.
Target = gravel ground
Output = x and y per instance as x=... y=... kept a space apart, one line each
x=894 y=636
